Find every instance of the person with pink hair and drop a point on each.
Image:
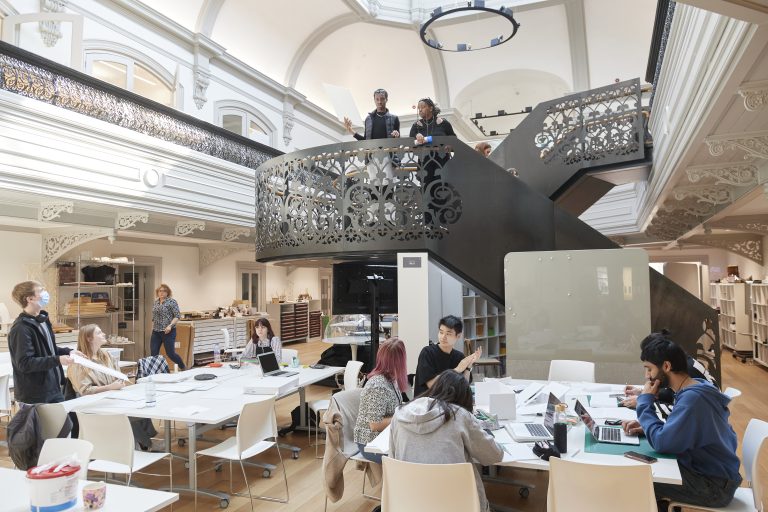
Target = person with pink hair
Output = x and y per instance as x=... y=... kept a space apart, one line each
x=382 y=394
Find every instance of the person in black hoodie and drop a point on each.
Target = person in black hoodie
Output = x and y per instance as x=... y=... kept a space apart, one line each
x=37 y=362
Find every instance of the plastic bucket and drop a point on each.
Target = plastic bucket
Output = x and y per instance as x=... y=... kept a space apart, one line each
x=114 y=353
x=53 y=491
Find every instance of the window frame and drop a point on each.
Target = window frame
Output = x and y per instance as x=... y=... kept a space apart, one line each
x=247 y=115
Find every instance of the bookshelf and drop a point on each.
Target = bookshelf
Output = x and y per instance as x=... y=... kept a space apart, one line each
x=735 y=316
x=759 y=307
x=484 y=326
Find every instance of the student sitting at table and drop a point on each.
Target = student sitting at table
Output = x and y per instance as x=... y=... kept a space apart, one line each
x=433 y=359
x=87 y=381
x=439 y=428
x=697 y=430
x=381 y=395
x=262 y=340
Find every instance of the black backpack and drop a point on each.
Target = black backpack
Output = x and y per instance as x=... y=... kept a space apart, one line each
x=25 y=439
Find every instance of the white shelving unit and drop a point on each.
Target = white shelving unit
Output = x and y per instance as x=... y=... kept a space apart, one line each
x=735 y=313
x=484 y=325
x=759 y=306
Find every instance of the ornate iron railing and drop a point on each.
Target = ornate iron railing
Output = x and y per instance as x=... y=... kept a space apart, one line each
x=30 y=75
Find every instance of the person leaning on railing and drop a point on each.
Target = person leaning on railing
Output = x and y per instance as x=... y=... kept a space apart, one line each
x=429 y=125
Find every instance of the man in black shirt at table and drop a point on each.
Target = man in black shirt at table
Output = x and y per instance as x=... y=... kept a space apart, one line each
x=434 y=359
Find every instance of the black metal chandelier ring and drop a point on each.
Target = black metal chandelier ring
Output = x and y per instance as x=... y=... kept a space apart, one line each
x=479 y=5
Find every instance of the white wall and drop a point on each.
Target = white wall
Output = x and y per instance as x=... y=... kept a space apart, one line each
x=19 y=260
x=719 y=260
x=292 y=281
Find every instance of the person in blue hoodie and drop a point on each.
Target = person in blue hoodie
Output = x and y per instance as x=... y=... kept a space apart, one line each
x=697 y=431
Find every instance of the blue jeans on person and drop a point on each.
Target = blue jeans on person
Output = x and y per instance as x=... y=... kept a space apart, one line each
x=697 y=490
x=373 y=457
x=169 y=342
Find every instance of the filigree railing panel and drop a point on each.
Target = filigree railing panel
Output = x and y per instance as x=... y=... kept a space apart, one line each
x=357 y=195
x=34 y=77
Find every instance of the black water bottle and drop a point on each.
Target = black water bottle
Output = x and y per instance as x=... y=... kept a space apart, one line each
x=561 y=429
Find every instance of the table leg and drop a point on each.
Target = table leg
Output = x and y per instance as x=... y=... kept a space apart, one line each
x=353 y=348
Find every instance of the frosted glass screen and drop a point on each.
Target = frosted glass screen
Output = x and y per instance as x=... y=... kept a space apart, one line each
x=586 y=305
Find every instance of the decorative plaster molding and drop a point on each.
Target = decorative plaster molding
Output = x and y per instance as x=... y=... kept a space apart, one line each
x=186 y=227
x=50 y=30
x=288 y=120
x=744 y=244
x=755 y=95
x=209 y=255
x=127 y=220
x=202 y=81
x=50 y=210
x=713 y=194
x=753 y=223
x=737 y=174
x=697 y=209
x=755 y=144
x=56 y=243
x=232 y=234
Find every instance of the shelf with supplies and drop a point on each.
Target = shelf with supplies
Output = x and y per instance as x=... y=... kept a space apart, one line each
x=759 y=309
x=736 y=327
x=291 y=320
x=484 y=326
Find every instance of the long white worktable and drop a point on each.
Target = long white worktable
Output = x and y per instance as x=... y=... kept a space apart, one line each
x=120 y=498
x=520 y=454
x=203 y=409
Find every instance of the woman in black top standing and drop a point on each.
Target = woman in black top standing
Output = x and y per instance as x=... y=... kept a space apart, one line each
x=428 y=125
x=165 y=316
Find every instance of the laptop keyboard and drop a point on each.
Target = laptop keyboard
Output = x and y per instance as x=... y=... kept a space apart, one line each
x=278 y=374
x=537 y=429
x=610 y=434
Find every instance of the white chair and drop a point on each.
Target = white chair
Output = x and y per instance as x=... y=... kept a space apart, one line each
x=411 y=486
x=571 y=371
x=5 y=396
x=257 y=423
x=286 y=355
x=746 y=498
x=580 y=486
x=56 y=449
x=52 y=418
x=732 y=393
x=113 y=446
x=351 y=381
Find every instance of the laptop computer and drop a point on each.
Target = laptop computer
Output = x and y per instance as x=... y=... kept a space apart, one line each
x=602 y=433
x=525 y=432
x=270 y=367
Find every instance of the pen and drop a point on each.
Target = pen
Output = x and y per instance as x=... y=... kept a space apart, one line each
x=574 y=453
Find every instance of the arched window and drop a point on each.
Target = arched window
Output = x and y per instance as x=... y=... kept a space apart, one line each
x=242 y=119
x=132 y=72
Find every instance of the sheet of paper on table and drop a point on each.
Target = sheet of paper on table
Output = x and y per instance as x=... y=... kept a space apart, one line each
x=98 y=367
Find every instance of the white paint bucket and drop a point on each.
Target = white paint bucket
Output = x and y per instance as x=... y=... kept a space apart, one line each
x=53 y=491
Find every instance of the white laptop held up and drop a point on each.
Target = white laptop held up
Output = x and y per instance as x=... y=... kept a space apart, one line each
x=270 y=367
x=525 y=432
x=601 y=433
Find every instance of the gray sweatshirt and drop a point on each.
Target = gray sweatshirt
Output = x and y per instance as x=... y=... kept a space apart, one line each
x=420 y=435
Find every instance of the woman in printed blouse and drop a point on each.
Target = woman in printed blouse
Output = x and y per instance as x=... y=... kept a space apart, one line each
x=263 y=339
x=381 y=395
x=86 y=381
x=165 y=316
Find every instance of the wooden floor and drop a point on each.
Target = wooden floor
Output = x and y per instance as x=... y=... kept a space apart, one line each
x=305 y=473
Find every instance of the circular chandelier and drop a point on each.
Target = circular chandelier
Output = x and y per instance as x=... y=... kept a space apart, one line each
x=477 y=5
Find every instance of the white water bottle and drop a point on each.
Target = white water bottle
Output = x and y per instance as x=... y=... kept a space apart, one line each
x=150 y=399
x=216 y=353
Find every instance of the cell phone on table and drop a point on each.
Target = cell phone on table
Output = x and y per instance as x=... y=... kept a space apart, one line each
x=318 y=366
x=613 y=423
x=640 y=457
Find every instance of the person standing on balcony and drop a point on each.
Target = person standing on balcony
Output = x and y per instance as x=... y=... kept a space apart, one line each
x=429 y=125
x=165 y=316
x=379 y=124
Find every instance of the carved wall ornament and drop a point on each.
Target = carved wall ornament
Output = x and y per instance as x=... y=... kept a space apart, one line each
x=754 y=144
x=695 y=208
x=232 y=234
x=202 y=81
x=210 y=254
x=57 y=242
x=187 y=227
x=50 y=30
x=151 y=177
x=127 y=220
x=288 y=120
x=737 y=174
x=744 y=244
x=50 y=210
x=755 y=95
x=753 y=223
x=713 y=194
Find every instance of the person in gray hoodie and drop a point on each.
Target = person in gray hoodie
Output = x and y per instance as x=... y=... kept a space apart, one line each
x=439 y=428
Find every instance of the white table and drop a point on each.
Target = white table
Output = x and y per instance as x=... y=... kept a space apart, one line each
x=120 y=498
x=200 y=410
x=352 y=341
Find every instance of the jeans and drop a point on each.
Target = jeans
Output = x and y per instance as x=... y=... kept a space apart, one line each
x=373 y=457
x=697 y=489
x=169 y=342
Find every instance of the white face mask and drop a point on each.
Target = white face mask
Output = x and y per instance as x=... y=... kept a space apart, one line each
x=45 y=297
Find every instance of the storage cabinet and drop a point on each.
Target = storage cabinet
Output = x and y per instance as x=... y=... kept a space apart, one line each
x=290 y=320
x=759 y=300
x=735 y=316
x=484 y=326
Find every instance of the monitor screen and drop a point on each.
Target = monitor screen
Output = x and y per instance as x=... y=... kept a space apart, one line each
x=352 y=292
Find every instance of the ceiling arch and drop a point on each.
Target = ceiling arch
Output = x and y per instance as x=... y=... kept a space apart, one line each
x=209 y=11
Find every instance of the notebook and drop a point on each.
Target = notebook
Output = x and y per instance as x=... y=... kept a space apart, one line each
x=270 y=368
x=525 y=432
x=601 y=433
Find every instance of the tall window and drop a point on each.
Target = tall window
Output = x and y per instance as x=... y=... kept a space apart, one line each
x=251 y=285
x=240 y=118
x=126 y=72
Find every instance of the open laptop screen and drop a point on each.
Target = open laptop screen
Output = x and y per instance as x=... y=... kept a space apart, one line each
x=268 y=361
x=581 y=411
x=549 y=416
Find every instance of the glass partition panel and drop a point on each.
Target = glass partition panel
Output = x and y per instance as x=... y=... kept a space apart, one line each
x=585 y=305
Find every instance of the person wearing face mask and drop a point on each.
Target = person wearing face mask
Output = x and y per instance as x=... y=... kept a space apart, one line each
x=37 y=362
x=696 y=431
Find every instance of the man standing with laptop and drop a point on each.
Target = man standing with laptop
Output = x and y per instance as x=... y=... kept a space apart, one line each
x=697 y=430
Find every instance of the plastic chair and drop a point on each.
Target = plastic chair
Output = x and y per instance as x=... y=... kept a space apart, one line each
x=55 y=449
x=732 y=393
x=571 y=371
x=52 y=418
x=746 y=498
x=256 y=424
x=5 y=396
x=407 y=484
x=580 y=486
x=113 y=446
x=351 y=381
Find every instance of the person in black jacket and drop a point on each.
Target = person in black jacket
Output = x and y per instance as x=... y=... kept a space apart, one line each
x=427 y=125
x=37 y=361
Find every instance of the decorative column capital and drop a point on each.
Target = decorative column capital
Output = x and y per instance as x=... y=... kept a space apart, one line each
x=737 y=173
x=744 y=244
x=50 y=210
x=232 y=234
x=755 y=95
x=50 y=30
x=127 y=220
x=754 y=144
x=187 y=227
x=202 y=79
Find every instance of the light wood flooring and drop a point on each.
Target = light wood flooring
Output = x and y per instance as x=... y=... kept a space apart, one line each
x=305 y=473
